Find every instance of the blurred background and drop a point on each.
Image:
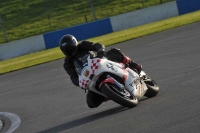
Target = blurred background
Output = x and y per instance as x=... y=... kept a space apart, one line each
x=24 y=18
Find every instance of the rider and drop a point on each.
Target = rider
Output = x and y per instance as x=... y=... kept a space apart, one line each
x=71 y=49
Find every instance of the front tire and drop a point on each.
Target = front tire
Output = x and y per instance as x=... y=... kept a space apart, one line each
x=153 y=88
x=124 y=99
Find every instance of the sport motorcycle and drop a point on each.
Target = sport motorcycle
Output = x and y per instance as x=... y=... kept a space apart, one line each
x=115 y=81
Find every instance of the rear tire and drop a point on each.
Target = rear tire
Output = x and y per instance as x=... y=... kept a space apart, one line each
x=127 y=101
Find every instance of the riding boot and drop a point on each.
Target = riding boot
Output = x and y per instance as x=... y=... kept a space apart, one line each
x=132 y=65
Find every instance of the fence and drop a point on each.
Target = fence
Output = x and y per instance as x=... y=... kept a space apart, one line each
x=21 y=19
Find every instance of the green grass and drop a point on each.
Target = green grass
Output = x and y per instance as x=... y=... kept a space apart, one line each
x=32 y=17
x=109 y=39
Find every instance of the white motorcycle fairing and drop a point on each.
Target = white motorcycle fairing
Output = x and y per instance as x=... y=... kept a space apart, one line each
x=95 y=67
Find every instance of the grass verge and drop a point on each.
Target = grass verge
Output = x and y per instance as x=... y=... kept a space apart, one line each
x=24 y=19
x=109 y=39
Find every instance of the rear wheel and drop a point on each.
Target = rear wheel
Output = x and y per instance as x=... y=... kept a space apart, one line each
x=124 y=97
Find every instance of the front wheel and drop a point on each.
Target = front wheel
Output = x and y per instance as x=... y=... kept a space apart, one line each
x=123 y=98
x=152 y=86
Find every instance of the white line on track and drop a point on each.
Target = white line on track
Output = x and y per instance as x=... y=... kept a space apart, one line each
x=15 y=121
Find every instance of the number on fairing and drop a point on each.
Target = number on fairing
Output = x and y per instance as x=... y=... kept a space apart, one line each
x=113 y=68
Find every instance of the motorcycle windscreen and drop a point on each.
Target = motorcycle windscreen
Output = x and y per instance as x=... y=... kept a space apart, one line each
x=80 y=63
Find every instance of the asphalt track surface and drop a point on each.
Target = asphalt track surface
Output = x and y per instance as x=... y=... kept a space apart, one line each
x=47 y=102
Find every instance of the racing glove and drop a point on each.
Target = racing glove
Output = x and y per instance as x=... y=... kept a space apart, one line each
x=139 y=68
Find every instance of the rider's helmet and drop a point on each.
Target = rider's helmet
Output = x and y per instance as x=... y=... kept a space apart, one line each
x=68 y=44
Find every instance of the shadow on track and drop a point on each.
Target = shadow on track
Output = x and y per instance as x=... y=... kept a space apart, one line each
x=84 y=120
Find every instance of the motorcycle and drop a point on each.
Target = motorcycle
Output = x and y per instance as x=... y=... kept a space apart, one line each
x=115 y=81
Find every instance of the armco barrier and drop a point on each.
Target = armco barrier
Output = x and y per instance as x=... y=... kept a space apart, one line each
x=144 y=16
x=22 y=47
x=187 y=6
x=81 y=32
